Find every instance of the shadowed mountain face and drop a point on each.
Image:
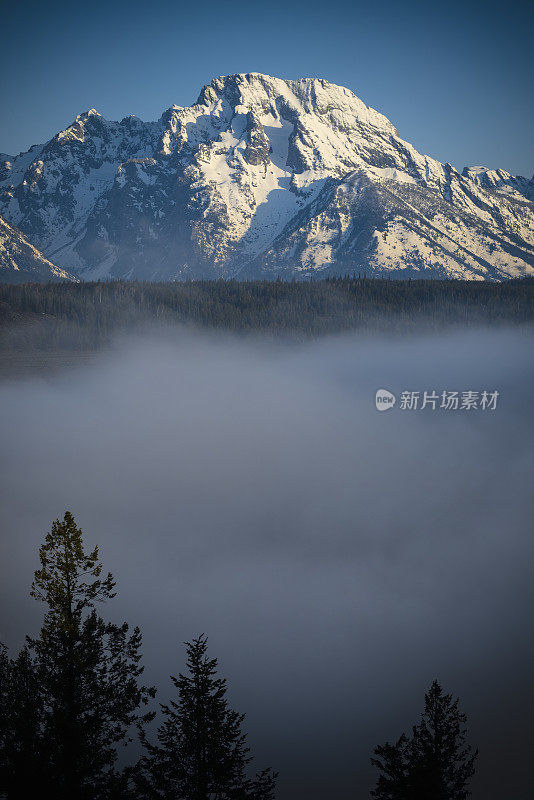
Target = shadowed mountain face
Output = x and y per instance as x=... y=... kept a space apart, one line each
x=263 y=177
x=20 y=261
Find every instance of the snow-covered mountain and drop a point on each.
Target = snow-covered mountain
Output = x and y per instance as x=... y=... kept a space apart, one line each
x=501 y=181
x=263 y=177
x=20 y=261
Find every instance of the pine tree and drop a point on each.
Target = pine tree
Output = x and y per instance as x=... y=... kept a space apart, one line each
x=436 y=763
x=5 y=716
x=22 y=745
x=392 y=762
x=88 y=669
x=201 y=750
x=441 y=761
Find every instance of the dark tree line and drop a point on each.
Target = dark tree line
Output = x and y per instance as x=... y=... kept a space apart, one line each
x=74 y=695
x=85 y=316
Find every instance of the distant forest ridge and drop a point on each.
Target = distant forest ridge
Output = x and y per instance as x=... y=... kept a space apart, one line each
x=86 y=316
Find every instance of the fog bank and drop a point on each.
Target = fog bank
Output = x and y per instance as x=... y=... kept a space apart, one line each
x=338 y=558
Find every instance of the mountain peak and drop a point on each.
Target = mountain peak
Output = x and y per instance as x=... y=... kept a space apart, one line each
x=76 y=130
x=92 y=112
x=257 y=91
x=263 y=176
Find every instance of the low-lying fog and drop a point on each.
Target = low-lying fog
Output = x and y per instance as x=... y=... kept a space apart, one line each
x=338 y=558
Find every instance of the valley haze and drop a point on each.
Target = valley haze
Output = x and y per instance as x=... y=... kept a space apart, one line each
x=339 y=558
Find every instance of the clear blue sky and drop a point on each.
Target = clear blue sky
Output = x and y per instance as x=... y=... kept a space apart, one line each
x=455 y=78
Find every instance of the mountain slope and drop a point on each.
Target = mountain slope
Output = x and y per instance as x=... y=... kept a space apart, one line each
x=263 y=176
x=21 y=261
x=394 y=227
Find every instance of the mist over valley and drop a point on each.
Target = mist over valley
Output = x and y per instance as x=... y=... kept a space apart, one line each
x=339 y=558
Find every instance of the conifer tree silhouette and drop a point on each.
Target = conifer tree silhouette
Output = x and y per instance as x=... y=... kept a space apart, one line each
x=201 y=750
x=22 y=747
x=79 y=679
x=436 y=763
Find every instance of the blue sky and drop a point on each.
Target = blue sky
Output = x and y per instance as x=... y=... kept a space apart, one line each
x=456 y=79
